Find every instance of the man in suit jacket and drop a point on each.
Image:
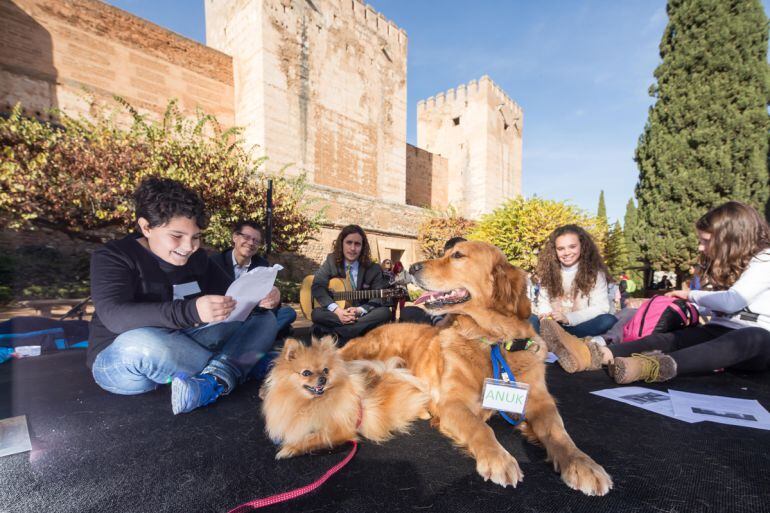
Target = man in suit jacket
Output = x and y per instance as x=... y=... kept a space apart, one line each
x=351 y=258
x=242 y=258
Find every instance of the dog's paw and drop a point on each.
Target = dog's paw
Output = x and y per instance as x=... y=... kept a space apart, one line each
x=587 y=476
x=500 y=468
x=286 y=452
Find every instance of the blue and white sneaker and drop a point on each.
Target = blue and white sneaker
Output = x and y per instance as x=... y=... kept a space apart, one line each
x=191 y=392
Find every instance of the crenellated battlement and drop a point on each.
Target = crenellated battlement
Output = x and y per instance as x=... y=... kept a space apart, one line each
x=367 y=15
x=477 y=128
x=465 y=91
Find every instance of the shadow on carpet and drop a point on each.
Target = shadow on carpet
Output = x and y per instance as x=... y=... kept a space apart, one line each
x=97 y=452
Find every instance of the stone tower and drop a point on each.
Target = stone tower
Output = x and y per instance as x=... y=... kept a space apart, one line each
x=320 y=86
x=478 y=129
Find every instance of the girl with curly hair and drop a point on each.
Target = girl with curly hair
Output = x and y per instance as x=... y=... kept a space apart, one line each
x=573 y=283
x=734 y=242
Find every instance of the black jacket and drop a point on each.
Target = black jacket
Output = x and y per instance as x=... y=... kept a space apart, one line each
x=130 y=290
x=224 y=260
x=369 y=278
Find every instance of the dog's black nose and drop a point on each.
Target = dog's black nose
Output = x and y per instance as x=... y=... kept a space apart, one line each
x=321 y=380
x=415 y=267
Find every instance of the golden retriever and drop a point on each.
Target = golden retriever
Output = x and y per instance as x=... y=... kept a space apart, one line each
x=486 y=299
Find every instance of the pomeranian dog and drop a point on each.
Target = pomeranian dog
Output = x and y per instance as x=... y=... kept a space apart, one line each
x=313 y=399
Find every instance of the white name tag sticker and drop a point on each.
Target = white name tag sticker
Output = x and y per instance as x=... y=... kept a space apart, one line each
x=182 y=290
x=504 y=396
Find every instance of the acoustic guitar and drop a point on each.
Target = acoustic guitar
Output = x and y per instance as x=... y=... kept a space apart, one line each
x=343 y=293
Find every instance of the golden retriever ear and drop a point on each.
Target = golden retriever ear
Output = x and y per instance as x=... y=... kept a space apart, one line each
x=290 y=348
x=511 y=289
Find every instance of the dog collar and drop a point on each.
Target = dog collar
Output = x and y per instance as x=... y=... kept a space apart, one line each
x=514 y=344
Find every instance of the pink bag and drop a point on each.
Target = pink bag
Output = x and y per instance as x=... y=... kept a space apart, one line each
x=660 y=314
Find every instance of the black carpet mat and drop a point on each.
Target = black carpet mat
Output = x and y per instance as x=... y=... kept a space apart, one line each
x=97 y=452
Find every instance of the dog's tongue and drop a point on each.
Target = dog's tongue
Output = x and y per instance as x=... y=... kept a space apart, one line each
x=429 y=296
x=426 y=297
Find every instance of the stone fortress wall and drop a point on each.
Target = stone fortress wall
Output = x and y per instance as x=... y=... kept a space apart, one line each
x=426 y=179
x=478 y=129
x=53 y=51
x=319 y=87
x=330 y=84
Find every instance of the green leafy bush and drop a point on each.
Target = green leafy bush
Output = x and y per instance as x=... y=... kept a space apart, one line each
x=414 y=293
x=41 y=272
x=7 y=264
x=435 y=231
x=79 y=178
x=6 y=294
x=289 y=290
x=521 y=225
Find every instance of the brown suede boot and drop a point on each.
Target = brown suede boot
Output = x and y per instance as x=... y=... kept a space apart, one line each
x=652 y=367
x=575 y=354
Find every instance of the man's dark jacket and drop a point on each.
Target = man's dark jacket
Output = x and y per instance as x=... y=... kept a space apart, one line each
x=369 y=278
x=224 y=260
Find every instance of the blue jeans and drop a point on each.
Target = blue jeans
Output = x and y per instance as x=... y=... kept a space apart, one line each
x=139 y=360
x=590 y=328
x=284 y=316
x=534 y=320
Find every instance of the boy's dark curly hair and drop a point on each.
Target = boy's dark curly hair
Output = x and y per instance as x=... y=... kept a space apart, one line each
x=160 y=199
x=591 y=263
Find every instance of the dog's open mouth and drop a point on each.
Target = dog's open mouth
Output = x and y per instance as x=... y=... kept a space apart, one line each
x=435 y=299
x=316 y=390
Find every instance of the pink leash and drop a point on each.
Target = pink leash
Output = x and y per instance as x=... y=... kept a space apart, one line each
x=281 y=497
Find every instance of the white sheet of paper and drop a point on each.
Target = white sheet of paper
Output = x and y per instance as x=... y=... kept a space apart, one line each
x=249 y=290
x=14 y=436
x=720 y=409
x=644 y=398
x=551 y=358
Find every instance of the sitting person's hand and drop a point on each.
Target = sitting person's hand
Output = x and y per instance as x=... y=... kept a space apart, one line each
x=214 y=308
x=556 y=316
x=346 y=315
x=354 y=311
x=680 y=294
x=272 y=299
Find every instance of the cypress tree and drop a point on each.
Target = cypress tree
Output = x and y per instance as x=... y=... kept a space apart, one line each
x=617 y=253
x=602 y=225
x=634 y=255
x=706 y=137
x=601 y=211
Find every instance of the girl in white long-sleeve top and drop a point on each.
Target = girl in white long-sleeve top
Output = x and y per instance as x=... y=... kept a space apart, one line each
x=734 y=242
x=573 y=283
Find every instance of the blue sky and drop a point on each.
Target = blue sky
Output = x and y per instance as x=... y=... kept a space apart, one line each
x=580 y=70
